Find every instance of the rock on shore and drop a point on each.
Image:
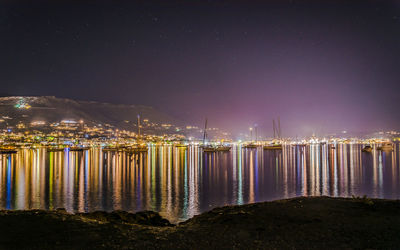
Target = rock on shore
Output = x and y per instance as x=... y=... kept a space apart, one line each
x=318 y=222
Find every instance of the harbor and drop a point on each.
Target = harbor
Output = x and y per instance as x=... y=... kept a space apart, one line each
x=180 y=182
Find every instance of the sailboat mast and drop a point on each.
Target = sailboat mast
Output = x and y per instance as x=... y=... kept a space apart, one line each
x=138 y=125
x=273 y=127
x=279 y=127
x=205 y=132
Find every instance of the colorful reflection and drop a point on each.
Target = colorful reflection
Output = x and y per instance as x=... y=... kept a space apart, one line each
x=182 y=182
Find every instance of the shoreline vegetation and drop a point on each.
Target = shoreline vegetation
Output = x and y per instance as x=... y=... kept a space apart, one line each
x=301 y=223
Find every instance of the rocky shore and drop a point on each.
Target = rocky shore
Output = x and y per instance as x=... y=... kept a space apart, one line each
x=301 y=223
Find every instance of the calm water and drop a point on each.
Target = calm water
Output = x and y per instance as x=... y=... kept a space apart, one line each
x=180 y=183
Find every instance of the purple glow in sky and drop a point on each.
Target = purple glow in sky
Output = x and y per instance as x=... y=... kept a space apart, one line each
x=321 y=67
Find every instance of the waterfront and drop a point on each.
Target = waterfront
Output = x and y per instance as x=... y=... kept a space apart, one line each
x=181 y=182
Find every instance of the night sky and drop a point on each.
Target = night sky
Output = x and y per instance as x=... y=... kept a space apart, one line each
x=321 y=67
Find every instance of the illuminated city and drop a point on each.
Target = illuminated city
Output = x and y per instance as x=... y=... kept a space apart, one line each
x=79 y=134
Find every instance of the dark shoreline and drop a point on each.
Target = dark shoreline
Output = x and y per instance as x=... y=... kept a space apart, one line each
x=302 y=223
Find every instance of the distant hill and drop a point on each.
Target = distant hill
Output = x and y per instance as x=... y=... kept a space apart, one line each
x=53 y=109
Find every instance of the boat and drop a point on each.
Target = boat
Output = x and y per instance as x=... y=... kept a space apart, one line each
x=180 y=145
x=277 y=133
x=206 y=147
x=139 y=147
x=55 y=149
x=367 y=149
x=273 y=147
x=78 y=149
x=136 y=149
x=111 y=149
x=387 y=146
x=222 y=148
x=8 y=150
x=250 y=145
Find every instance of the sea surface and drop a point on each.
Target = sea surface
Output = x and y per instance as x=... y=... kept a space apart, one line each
x=182 y=182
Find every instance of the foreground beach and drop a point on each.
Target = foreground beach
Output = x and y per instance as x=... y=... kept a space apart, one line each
x=318 y=222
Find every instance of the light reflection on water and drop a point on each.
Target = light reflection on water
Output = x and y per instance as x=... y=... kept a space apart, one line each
x=180 y=183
